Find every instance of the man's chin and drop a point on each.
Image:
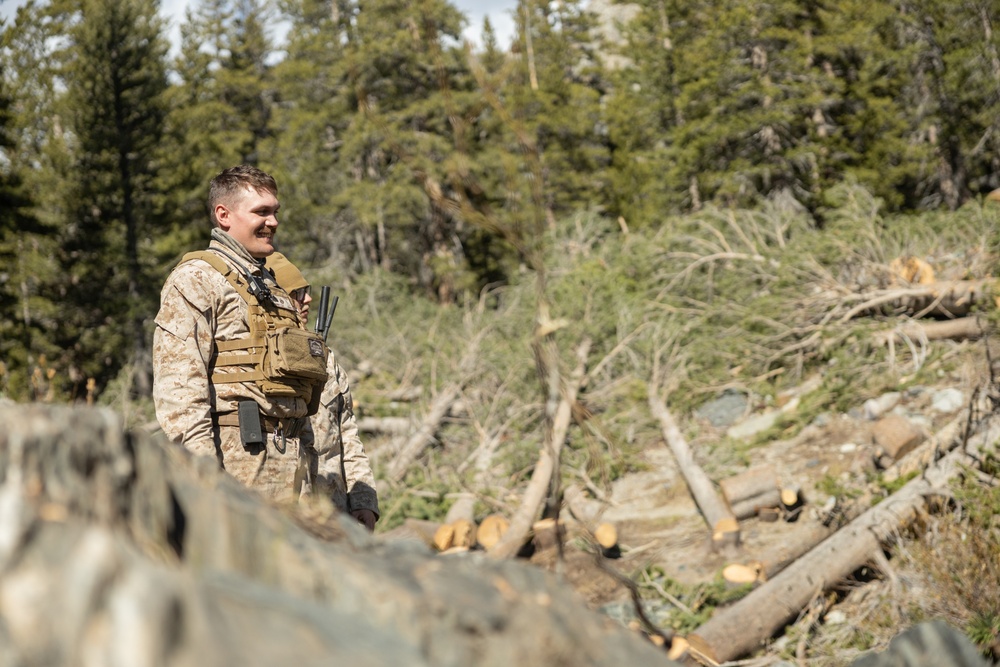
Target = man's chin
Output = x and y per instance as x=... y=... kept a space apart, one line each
x=261 y=253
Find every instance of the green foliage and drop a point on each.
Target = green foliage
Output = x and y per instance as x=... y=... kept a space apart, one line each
x=699 y=601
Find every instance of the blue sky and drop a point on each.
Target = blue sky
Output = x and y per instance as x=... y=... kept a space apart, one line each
x=499 y=11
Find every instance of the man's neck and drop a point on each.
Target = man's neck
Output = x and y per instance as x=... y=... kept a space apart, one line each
x=237 y=249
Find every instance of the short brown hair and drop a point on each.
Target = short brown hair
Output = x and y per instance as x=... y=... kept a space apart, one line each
x=230 y=183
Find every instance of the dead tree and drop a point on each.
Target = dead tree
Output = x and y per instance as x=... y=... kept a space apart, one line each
x=724 y=526
x=407 y=451
x=548 y=461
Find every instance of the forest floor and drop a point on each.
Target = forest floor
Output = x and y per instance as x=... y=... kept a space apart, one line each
x=664 y=541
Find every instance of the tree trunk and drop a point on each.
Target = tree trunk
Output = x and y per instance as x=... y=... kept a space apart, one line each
x=963 y=328
x=414 y=446
x=724 y=526
x=534 y=496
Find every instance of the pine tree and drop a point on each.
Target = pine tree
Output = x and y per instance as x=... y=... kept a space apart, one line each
x=558 y=99
x=387 y=135
x=14 y=222
x=220 y=109
x=115 y=82
x=310 y=117
x=40 y=159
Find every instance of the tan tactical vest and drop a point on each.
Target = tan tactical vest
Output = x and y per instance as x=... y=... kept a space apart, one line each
x=280 y=356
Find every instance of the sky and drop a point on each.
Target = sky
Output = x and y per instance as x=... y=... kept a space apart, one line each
x=499 y=11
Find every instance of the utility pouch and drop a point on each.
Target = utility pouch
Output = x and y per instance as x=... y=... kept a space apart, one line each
x=295 y=354
x=250 y=430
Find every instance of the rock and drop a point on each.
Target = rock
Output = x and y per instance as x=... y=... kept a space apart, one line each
x=932 y=644
x=874 y=408
x=725 y=410
x=122 y=548
x=947 y=400
x=760 y=423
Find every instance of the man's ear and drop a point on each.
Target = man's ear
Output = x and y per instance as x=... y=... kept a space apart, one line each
x=222 y=217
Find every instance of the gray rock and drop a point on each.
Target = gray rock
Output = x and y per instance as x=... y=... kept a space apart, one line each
x=725 y=410
x=931 y=644
x=947 y=400
x=117 y=549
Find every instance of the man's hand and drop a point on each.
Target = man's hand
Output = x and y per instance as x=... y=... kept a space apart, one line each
x=366 y=518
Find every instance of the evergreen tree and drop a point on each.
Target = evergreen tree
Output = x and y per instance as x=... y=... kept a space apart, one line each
x=405 y=88
x=641 y=113
x=557 y=96
x=14 y=222
x=958 y=75
x=752 y=99
x=310 y=118
x=220 y=110
x=39 y=159
x=115 y=82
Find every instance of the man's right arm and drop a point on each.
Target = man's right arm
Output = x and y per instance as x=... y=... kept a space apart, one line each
x=183 y=343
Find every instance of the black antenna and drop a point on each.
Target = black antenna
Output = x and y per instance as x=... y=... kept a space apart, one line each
x=329 y=317
x=324 y=302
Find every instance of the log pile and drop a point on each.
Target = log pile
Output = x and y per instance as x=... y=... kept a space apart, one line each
x=785 y=585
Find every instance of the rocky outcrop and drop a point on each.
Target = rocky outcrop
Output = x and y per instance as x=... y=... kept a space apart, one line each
x=118 y=549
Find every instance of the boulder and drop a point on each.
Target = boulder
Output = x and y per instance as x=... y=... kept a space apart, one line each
x=118 y=548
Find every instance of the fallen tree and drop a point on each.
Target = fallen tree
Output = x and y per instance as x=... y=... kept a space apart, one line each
x=406 y=450
x=517 y=532
x=742 y=627
x=725 y=529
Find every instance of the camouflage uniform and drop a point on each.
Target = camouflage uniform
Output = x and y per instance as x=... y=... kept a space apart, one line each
x=198 y=307
x=341 y=470
x=336 y=468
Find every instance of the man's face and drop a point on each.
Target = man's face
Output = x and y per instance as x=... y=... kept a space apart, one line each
x=252 y=220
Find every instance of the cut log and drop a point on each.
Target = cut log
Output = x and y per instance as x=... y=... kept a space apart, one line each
x=750 y=491
x=909 y=269
x=491 y=529
x=464 y=533
x=444 y=537
x=742 y=627
x=894 y=437
x=606 y=535
x=947 y=298
x=548 y=535
x=678 y=649
x=725 y=527
x=791 y=496
x=462 y=508
x=739 y=574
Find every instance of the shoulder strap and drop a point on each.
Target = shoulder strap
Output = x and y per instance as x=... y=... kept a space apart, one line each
x=252 y=345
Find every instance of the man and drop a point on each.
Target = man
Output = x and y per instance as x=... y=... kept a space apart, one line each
x=337 y=467
x=217 y=387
